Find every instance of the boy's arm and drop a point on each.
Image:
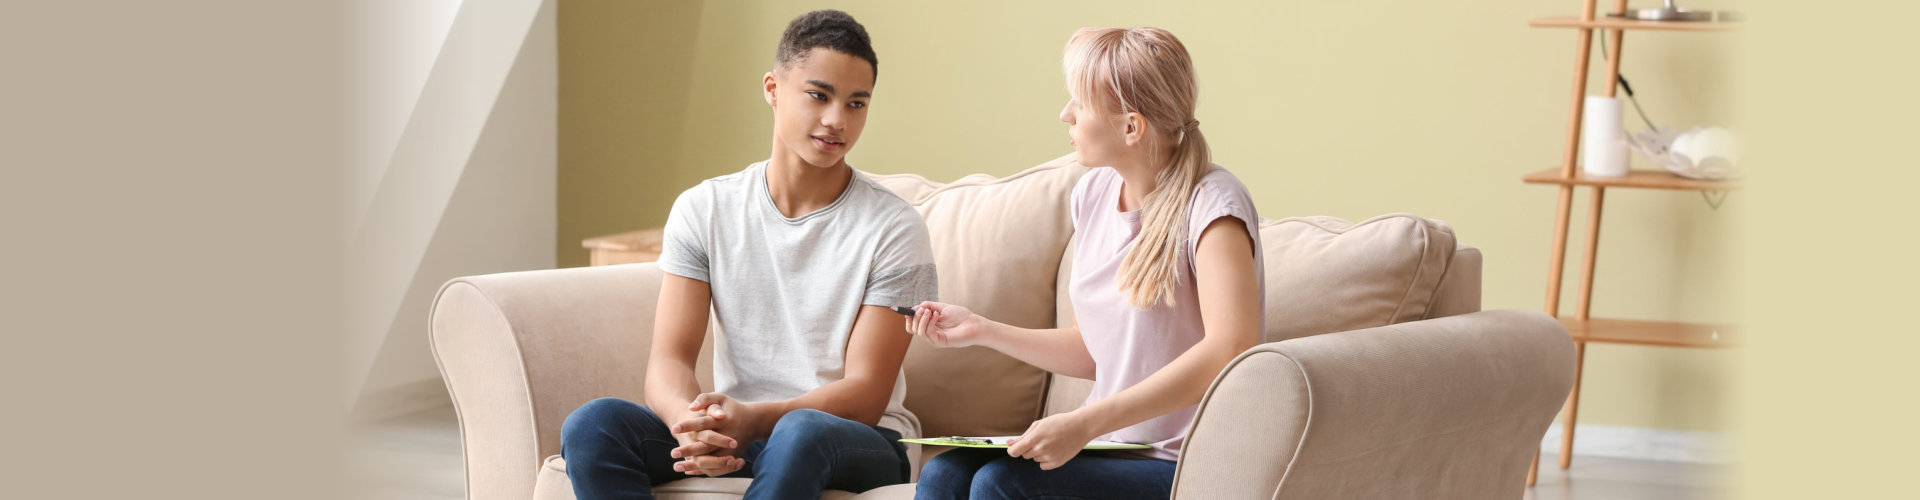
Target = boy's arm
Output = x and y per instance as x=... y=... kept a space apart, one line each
x=875 y=350
x=679 y=326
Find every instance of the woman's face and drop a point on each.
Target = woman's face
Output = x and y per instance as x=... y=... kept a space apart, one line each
x=1098 y=138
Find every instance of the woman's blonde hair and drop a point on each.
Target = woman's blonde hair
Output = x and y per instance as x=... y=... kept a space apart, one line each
x=1147 y=71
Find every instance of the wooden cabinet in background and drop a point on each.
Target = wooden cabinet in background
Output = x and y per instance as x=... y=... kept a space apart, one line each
x=623 y=248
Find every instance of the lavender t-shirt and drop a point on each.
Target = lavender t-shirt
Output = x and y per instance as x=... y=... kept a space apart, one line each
x=1130 y=344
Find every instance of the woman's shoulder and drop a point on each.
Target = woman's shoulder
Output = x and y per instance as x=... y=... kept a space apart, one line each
x=1219 y=185
x=1091 y=188
x=1094 y=181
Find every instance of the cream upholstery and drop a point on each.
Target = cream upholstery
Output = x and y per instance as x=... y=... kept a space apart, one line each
x=1444 y=408
x=1373 y=338
x=1331 y=275
x=989 y=237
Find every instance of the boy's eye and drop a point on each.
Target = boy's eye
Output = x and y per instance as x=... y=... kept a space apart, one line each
x=817 y=96
x=858 y=104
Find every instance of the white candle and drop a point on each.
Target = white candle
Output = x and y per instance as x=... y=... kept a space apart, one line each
x=1602 y=140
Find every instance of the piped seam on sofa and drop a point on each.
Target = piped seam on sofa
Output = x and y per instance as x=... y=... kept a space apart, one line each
x=1426 y=242
x=1445 y=271
x=519 y=354
x=1200 y=412
x=1036 y=170
x=1306 y=430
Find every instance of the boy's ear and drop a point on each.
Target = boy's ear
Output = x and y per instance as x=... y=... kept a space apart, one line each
x=767 y=85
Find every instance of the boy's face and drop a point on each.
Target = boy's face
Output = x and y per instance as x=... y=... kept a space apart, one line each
x=820 y=105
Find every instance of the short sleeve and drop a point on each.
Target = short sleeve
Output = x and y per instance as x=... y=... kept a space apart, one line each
x=903 y=272
x=683 y=243
x=1220 y=195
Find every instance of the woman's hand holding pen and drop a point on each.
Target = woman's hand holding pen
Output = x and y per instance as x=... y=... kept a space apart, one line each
x=946 y=325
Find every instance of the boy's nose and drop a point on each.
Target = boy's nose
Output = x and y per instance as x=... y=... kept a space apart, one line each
x=834 y=120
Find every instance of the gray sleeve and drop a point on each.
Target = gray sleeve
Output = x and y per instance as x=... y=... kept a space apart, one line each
x=683 y=248
x=903 y=274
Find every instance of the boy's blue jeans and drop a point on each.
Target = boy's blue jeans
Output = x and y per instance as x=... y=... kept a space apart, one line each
x=989 y=474
x=615 y=448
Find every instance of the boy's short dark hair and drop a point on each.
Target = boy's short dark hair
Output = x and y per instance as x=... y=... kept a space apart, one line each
x=830 y=29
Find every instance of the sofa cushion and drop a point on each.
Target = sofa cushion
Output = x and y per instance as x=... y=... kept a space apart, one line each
x=1460 y=288
x=1327 y=275
x=554 y=485
x=998 y=243
x=1393 y=240
x=895 y=492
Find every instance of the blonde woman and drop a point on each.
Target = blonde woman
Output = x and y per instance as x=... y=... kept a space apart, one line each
x=1166 y=285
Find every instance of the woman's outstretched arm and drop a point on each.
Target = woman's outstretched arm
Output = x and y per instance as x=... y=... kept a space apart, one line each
x=1058 y=350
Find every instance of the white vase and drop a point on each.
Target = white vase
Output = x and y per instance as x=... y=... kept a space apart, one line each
x=1603 y=143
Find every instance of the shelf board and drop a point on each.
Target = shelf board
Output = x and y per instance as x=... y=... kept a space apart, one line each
x=1653 y=333
x=1612 y=23
x=1636 y=178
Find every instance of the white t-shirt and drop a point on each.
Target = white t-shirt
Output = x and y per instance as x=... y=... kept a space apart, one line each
x=786 y=291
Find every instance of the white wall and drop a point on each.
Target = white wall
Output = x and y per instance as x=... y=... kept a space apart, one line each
x=454 y=152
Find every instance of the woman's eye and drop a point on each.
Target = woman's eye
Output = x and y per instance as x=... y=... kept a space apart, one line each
x=817 y=96
x=858 y=104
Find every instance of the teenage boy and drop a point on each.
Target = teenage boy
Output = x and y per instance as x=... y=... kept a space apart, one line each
x=802 y=260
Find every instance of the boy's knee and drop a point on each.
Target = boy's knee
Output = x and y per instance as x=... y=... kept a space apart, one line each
x=592 y=418
x=810 y=425
x=807 y=419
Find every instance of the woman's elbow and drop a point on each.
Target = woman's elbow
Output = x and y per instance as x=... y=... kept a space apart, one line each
x=1246 y=342
x=1230 y=346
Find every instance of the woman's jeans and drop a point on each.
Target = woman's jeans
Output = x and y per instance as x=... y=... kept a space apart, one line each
x=985 y=473
x=617 y=449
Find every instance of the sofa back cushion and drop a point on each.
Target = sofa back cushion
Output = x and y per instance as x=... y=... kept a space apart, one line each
x=1328 y=275
x=998 y=243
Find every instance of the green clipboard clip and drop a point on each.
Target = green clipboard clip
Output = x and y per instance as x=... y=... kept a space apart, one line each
x=1001 y=442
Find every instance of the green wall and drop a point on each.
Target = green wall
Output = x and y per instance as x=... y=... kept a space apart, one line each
x=1350 y=109
x=623 y=86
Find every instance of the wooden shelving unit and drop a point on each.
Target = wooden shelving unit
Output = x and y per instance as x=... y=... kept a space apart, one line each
x=1581 y=325
x=1636 y=178
x=1610 y=23
x=1652 y=333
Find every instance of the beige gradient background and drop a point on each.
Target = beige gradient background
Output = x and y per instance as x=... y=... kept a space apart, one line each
x=451 y=172
x=1351 y=109
x=170 y=307
x=169 y=253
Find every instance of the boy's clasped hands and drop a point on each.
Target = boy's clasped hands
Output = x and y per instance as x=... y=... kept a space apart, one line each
x=712 y=437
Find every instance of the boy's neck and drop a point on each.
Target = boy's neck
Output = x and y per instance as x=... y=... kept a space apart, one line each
x=798 y=188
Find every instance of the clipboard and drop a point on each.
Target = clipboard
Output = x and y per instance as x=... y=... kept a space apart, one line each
x=1001 y=442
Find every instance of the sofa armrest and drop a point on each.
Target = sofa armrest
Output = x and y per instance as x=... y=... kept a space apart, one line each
x=1444 y=408
x=519 y=351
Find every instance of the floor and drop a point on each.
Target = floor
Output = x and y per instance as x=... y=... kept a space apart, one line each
x=417 y=457
x=412 y=457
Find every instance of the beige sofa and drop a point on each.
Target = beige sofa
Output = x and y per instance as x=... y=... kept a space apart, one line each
x=1418 y=394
